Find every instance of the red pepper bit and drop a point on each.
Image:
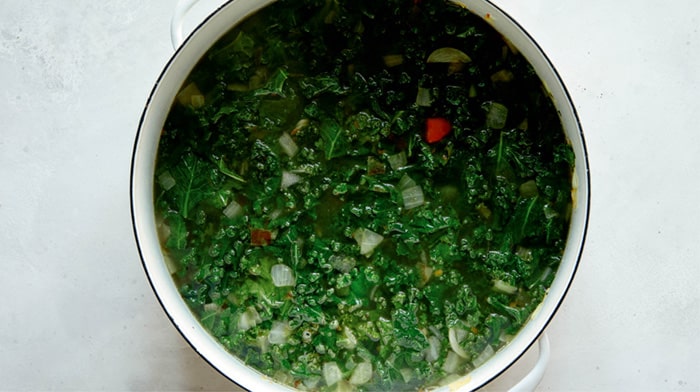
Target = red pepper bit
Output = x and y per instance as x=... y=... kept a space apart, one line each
x=436 y=128
x=260 y=237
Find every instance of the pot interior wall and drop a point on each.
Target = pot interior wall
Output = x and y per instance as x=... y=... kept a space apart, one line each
x=145 y=226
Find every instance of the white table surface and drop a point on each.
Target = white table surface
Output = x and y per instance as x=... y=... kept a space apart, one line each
x=76 y=310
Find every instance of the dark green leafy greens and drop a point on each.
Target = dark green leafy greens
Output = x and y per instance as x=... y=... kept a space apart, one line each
x=317 y=232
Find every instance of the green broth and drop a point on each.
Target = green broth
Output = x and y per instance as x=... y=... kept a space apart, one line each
x=339 y=210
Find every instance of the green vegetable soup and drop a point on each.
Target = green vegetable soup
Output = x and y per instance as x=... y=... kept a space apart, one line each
x=362 y=194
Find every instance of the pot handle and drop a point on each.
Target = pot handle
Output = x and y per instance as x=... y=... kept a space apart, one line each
x=182 y=7
x=532 y=379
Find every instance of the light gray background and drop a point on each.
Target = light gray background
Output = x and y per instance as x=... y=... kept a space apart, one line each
x=77 y=312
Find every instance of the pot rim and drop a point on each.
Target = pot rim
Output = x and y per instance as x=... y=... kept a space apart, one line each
x=204 y=344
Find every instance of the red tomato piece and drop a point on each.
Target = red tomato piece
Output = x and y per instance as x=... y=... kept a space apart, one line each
x=436 y=128
x=260 y=237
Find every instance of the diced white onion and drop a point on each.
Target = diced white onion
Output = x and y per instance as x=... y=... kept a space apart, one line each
x=162 y=227
x=545 y=274
x=423 y=97
x=505 y=338
x=528 y=189
x=496 y=116
x=263 y=343
x=232 y=210
x=185 y=96
x=368 y=240
x=452 y=362
x=362 y=373
x=331 y=373
x=172 y=265
x=289 y=179
x=197 y=100
x=348 y=341
x=455 y=335
x=448 y=55
x=432 y=353
x=504 y=287
x=300 y=124
x=436 y=332
x=484 y=356
x=549 y=212
x=311 y=382
x=249 y=319
x=524 y=253
x=423 y=257
x=392 y=60
x=380 y=188
x=239 y=87
x=342 y=263
x=279 y=333
x=276 y=213
x=413 y=197
x=282 y=275
x=166 y=180
x=483 y=210
x=407 y=374
x=406 y=182
x=288 y=145
x=344 y=386
x=398 y=160
x=503 y=75
x=425 y=272
x=334 y=324
x=283 y=377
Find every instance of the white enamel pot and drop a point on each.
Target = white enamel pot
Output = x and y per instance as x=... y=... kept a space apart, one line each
x=187 y=54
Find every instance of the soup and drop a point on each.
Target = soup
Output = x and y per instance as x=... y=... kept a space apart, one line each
x=363 y=195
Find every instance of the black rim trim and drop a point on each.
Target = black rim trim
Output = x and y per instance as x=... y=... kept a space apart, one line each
x=550 y=317
x=132 y=187
x=585 y=160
